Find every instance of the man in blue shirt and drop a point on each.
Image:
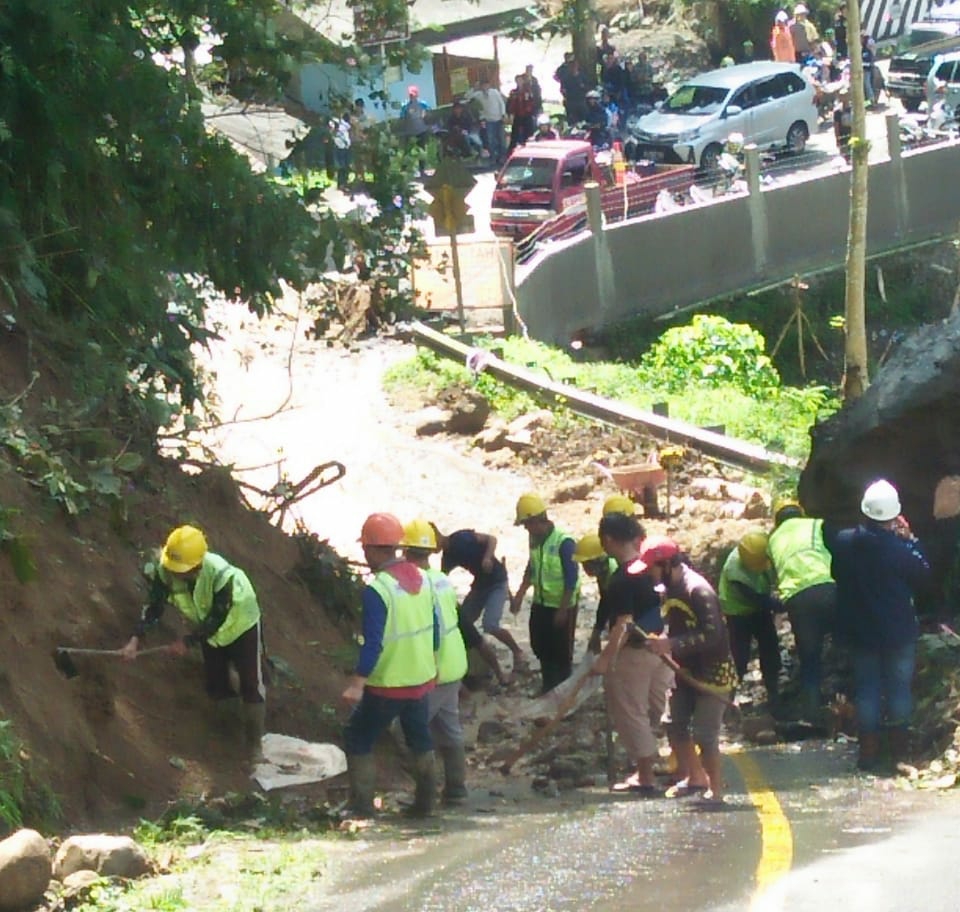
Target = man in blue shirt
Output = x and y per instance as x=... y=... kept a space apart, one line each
x=879 y=567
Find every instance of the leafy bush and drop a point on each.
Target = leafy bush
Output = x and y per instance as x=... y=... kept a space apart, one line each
x=711 y=352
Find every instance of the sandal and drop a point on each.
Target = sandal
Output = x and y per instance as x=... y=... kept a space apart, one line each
x=683 y=789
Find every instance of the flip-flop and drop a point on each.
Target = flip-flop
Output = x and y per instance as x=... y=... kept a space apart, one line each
x=683 y=790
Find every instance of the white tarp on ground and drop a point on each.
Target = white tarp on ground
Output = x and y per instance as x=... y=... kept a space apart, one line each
x=290 y=761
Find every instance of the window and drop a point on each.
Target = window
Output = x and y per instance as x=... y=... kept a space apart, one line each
x=789 y=84
x=694 y=99
x=743 y=98
x=575 y=171
x=528 y=174
x=945 y=71
x=768 y=90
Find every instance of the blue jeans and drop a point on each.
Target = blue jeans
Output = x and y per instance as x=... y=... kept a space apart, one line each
x=496 y=140
x=883 y=677
x=372 y=716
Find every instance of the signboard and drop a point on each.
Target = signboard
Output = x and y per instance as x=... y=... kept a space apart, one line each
x=376 y=22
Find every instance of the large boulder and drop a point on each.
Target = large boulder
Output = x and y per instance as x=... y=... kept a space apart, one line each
x=24 y=870
x=905 y=428
x=109 y=856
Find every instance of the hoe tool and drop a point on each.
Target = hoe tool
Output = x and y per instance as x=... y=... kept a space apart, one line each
x=63 y=656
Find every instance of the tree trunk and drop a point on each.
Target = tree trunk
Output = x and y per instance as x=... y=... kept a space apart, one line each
x=855 y=353
x=583 y=40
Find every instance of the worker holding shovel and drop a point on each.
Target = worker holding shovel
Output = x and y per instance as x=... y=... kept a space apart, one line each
x=697 y=640
x=636 y=681
x=219 y=600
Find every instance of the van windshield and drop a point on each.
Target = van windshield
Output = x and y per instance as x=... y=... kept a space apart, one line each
x=528 y=174
x=696 y=99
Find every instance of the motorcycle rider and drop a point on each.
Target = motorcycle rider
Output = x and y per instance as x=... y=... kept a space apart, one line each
x=545 y=129
x=596 y=120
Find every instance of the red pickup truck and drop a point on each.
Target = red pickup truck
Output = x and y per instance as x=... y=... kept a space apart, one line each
x=544 y=180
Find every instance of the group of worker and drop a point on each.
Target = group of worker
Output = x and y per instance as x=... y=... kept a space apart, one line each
x=675 y=646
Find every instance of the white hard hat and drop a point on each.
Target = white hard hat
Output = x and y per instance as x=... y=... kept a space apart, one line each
x=543 y=120
x=800 y=10
x=781 y=17
x=881 y=501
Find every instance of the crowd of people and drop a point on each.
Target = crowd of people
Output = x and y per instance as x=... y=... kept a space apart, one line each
x=675 y=645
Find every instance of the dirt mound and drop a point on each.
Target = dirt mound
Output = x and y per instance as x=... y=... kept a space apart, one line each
x=123 y=739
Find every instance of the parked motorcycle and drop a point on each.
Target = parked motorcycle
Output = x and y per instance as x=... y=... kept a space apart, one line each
x=938 y=124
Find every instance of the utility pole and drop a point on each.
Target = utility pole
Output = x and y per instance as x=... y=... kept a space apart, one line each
x=855 y=347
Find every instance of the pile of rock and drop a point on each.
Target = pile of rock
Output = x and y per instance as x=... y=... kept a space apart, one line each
x=29 y=870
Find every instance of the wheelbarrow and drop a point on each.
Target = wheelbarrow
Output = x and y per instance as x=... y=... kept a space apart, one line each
x=640 y=481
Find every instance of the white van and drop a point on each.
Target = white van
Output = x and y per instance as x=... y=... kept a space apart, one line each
x=771 y=104
x=943 y=80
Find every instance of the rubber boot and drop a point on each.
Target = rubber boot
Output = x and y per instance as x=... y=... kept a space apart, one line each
x=454 y=774
x=362 y=771
x=225 y=719
x=425 y=777
x=254 y=727
x=868 y=757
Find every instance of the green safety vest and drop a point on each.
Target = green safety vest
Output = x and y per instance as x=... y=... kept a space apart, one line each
x=799 y=556
x=194 y=600
x=407 y=659
x=734 y=572
x=546 y=571
x=452 y=654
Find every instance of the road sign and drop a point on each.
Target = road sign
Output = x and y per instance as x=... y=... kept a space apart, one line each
x=449 y=211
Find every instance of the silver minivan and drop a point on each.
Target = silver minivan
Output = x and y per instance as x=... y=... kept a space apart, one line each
x=771 y=104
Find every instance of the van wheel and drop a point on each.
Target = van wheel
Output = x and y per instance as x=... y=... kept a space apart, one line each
x=710 y=158
x=797 y=137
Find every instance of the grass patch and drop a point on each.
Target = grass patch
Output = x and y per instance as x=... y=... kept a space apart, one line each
x=778 y=417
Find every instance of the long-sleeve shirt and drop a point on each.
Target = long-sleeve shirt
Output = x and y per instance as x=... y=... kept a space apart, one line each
x=159 y=598
x=877 y=573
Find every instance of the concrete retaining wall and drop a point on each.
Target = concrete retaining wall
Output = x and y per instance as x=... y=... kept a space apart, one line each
x=657 y=264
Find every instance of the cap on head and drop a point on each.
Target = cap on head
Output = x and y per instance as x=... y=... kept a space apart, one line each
x=543 y=120
x=752 y=550
x=381 y=530
x=658 y=548
x=185 y=549
x=413 y=91
x=781 y=17
x=419 y=533
x=800 y=10
x=881 y=501
x=529 y=506
x=588 y=548
x=619 y=503
x=594 y=94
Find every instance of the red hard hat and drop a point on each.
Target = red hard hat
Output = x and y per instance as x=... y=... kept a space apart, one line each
x=658 y=548
x=381 y=530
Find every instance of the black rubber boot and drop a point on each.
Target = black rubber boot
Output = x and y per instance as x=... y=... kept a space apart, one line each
x=454 y=774
x=425 y=777
x=363 y=776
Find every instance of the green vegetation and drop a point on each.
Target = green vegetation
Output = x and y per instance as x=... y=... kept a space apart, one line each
x=743 y=392
x=23 y=801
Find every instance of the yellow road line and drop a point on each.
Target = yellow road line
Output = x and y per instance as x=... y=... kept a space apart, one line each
x=776 y=839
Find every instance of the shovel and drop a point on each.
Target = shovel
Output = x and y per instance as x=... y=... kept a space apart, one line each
x=62 y=656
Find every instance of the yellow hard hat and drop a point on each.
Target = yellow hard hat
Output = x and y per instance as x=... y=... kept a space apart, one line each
x=419 y=534
x=753 y=551
x=528 y=506
x=619 y=503
x=788 y=506
x=588 y=548
x=184 y=550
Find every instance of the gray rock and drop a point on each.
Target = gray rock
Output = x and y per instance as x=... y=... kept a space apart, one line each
x=76 y=886
x=524 y=424
x=574 y=489
x=24 y=870
x=491 y=438
x=110 y=856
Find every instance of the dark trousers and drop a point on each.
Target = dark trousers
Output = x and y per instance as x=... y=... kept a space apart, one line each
x=813 y=616
x=244 y=653
x=551 y=644
x=759 y=626
x=372 y=716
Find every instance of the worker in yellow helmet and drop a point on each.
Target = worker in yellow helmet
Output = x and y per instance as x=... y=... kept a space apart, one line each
x=745 y=590
x=443 y=702
x=598 y=565
x=221 y=604
x=801 y=562
x=553 y=574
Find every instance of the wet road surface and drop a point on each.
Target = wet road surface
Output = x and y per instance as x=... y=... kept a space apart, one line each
x=589 y=851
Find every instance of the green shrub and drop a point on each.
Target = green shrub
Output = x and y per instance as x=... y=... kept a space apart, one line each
x=711 y=352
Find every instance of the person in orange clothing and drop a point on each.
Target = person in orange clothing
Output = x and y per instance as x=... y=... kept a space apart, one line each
x=781 y=41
